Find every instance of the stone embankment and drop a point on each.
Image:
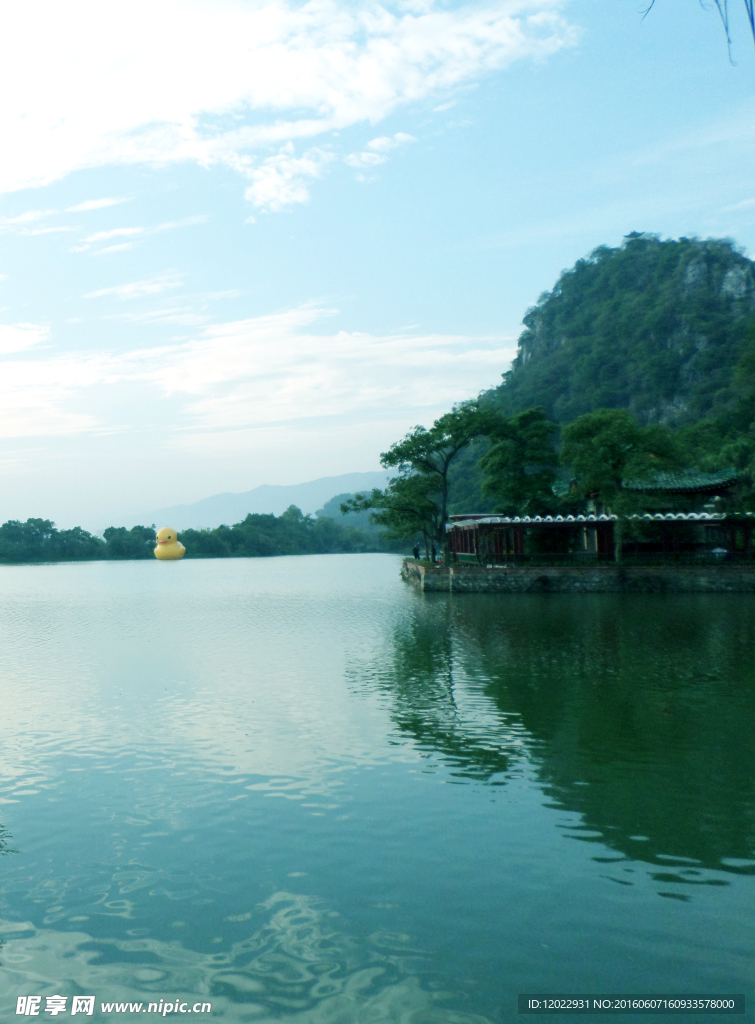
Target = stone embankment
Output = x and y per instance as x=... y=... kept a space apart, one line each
x=582 y=579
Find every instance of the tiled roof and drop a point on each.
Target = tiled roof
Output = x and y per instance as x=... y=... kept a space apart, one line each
x=688 y=480
x=683 y=517
x=488 y=520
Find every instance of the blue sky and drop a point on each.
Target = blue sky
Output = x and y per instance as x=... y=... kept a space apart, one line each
x=246 y=243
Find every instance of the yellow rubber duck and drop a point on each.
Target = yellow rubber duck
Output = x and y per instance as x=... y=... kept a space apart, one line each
x=168 y=544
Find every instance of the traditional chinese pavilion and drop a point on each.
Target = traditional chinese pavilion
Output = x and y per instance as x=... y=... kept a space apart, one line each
x=486 y=539
x=694 y=532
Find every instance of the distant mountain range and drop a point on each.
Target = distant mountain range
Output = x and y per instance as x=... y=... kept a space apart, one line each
x=268 y=498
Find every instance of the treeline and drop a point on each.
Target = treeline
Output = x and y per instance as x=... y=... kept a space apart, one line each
x=39 y=540
x=292 y=533
x=603 y=461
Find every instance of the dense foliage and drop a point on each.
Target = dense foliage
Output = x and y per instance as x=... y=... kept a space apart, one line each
x=138 y=542
x=418 y=499
x=373 y=533
x=521 y=466
x=292 y=533
x=654 y=327
x=37 y=540
x=606 y=447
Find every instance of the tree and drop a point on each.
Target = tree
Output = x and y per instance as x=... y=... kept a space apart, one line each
x=728 y=440
x=408 y=506
x=429 y=454
x=77 y=544
x=604 y=447
x=522 y=465
x=138 y=542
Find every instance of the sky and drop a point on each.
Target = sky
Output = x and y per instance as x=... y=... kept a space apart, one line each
x=249 y=243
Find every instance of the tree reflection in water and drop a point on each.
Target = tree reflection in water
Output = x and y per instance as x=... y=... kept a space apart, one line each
x=4 y=838
x=4 y=848
x=634 y=712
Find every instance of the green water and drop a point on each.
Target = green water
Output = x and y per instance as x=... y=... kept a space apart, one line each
x=298 y=789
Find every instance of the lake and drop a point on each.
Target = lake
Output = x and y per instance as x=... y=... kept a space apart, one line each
x=300 y=790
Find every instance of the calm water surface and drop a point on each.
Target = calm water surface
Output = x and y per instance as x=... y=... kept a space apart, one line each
x=299 y=789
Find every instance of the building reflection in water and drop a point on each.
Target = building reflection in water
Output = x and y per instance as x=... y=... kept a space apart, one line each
x=634 y=712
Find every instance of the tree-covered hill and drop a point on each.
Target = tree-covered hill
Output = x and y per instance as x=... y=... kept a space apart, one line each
x=655 y=327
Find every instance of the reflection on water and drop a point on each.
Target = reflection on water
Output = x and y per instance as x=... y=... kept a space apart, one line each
x=637 y=713
x=302 y=790
x=5 y=841
x=294 y=962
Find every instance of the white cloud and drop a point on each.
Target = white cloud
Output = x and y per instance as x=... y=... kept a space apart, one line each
x=36 y=392
x=138 y=289
x=364 y=159
x=271 y=370
x=112 y=248
x=248 y=374
x=102 y=236
x=19 y=337
x=94 y=204
x=184 y=222
x=21 y=222
x=376 y=150
x=213 y=82
x=50 y=231
x=279 y=181
x=386 y=143
x=183 y=315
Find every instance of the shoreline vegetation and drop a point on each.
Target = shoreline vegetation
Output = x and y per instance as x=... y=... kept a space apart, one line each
x=257 y=536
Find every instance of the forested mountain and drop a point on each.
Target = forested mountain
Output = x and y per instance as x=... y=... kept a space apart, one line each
x=655 y=327
x=663 y=329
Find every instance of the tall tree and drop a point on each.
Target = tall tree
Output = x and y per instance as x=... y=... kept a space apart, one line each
x=602 y=448
x=522 y=465
x=408 y=506
x=430 y=454
x=417 y=500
